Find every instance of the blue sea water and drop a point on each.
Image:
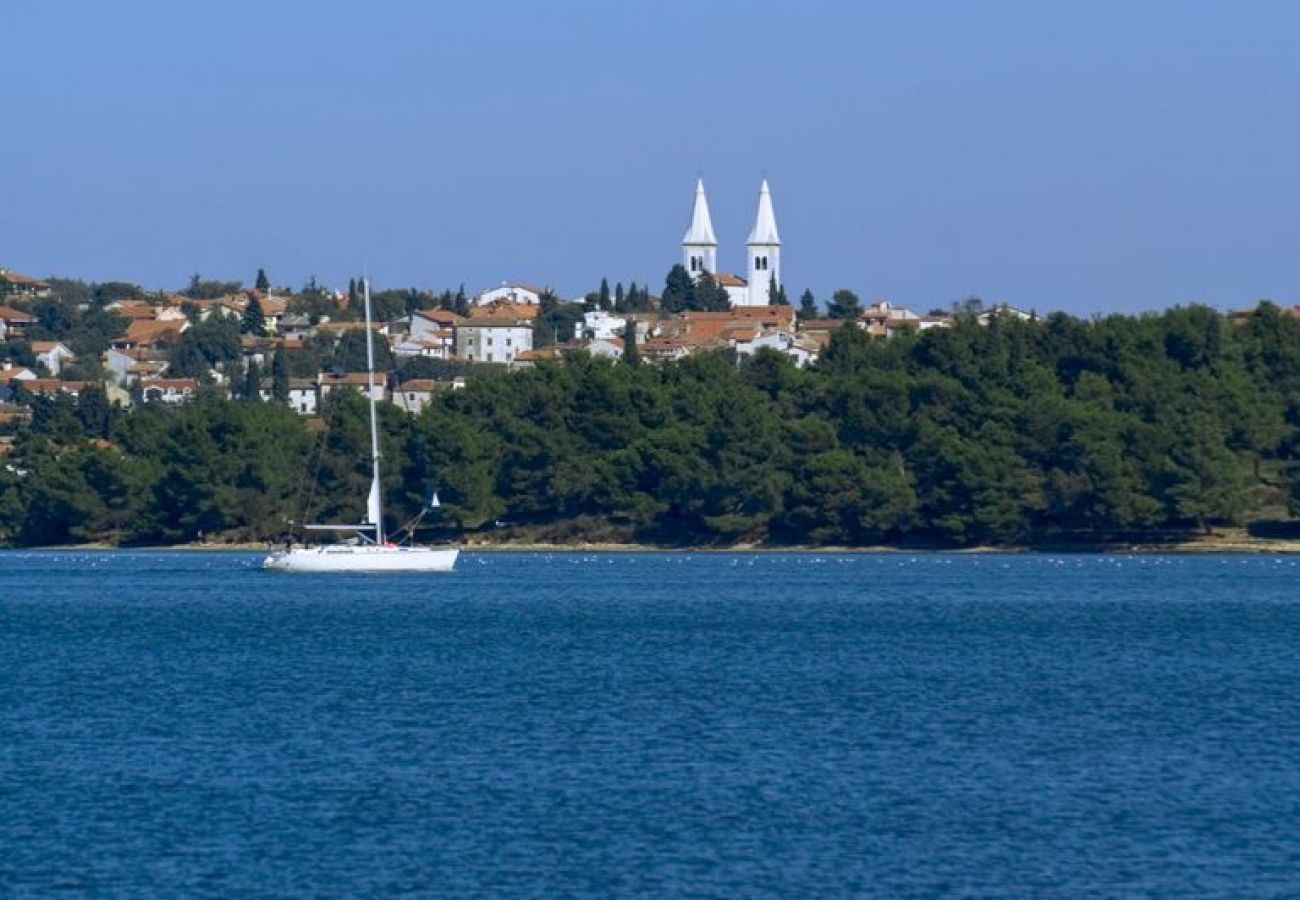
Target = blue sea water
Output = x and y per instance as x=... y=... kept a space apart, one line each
x=670 y=725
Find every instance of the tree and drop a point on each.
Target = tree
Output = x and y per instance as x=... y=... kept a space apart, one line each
x=94 y=412
x=350 y=354
x=253 y=321
x=263 y=283
x=776 y=293
x=844 y=305
x=708 y=296
x=602 y=296
x=807 y=305
x=280 y=376
x=201 y=289
x=631 y=355
x=253 y=381
x=620 y=299
x=679 y=288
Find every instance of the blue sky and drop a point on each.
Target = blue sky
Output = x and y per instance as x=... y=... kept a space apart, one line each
x=1089 y=157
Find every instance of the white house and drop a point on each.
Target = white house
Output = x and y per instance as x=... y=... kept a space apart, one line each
x=518 y=294
x=166 y=390
x=52 y=354
x=328 y=381
x=1006 y=309
x=606 y=348
x=415 y=394
x=599 y=324
x=302 y=397
x=801 y=351
x=493 y=339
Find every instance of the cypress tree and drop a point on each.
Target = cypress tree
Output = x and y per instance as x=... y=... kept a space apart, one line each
x=807 y=305
x=280 y=377
x=631 y=355
x=254 y=320
x=602 y=298
x=253 y=381
x=263 y=283
x=620 y=299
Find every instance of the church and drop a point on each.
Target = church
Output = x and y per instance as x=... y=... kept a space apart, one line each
x=763 y=249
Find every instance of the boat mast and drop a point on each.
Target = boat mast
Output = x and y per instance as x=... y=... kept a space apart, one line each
x=375 y=504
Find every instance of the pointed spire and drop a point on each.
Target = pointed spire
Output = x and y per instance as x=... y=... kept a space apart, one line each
x=765 y=222
x=701 y=230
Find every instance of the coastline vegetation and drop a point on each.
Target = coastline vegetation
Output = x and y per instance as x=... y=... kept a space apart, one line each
x=1009 y=433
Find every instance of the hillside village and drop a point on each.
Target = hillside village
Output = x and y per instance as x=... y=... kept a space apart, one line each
x=295 y=347
x=498 y=329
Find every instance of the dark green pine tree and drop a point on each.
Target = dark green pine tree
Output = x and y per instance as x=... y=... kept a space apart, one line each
x=844 y=305
x=254 y=320
x=280 y=376
x=94 y=411
x=807 y=305
x=708 y=296
x=461 y=304
x=620 y=298
x=354 y=297
x=631 y=355
x=263 y=283
x=602 y=298
x=679 y=290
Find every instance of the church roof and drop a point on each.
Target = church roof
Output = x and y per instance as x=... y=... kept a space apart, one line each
x=765 y=222
x=701 y=230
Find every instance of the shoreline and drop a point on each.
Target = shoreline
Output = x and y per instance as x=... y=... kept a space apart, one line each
x=1225 y=543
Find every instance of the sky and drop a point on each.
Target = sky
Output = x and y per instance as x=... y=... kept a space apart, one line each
x=1090 y=157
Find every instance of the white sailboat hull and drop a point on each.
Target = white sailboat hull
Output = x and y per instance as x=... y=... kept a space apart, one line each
x=363 y=558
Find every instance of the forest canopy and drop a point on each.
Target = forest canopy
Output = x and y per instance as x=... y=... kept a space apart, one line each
x=1007 y=433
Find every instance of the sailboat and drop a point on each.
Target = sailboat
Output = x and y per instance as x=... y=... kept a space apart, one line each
x=372 y=551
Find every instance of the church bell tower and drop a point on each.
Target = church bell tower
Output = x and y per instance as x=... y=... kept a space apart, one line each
x=699 y=246
x=764 y=246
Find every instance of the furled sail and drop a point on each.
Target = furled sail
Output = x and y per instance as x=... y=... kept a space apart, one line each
x=372 y=503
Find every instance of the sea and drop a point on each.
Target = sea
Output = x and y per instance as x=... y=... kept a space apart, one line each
x=555 y=725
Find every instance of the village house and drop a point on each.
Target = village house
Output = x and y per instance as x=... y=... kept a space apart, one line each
x=142 y=311
x=1006 y=309
x=429 y=333
x=303 y=396
x=14 y=323
x=415 y=394
x=493 y=339
x=164 y=390
x=663 y=349
x=529 y=358
x=605 y=348
x=16 y=284
x=10 y=371
x=127 y=366
x=598 y=323
x=46 y=387
x=151 y=334
x=52 y=355
x=800 y=349
x=519 y=294
x=358 y=381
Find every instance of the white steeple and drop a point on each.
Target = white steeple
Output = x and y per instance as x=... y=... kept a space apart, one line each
x=764 y=247
x=699 y=246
